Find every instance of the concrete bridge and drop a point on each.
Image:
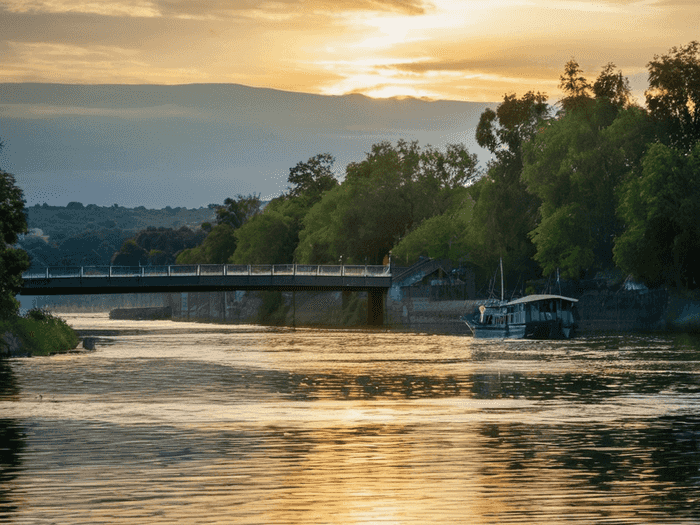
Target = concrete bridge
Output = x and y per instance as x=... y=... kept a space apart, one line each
x=375 y=280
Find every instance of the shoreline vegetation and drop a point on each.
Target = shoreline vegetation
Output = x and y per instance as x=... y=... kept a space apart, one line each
x=39 y=333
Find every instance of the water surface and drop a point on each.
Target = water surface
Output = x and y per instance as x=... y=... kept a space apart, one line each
x=189 y=423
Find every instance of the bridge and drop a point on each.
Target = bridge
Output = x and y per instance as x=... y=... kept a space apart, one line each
x=375 y=280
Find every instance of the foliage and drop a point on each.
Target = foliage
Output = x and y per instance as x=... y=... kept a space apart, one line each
x=504 y=212
x=660 y=210
x=216 y=248
x=41 y=333
x=503 y=131
x=574 y=166
x=272 y=236
x=268 y=238
x=235 y=212
x=673 y=97
x=312 y=178
x=382 y=199
x=613 y=87
x=441 y=237
x=130 y=254
x=575 y=87
x=13 y=261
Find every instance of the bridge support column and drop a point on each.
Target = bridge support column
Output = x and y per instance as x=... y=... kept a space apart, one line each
x=375 y=307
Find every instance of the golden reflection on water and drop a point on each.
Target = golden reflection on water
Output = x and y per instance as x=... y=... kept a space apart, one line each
x=185 y=423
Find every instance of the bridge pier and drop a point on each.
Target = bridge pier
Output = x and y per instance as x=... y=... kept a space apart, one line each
x=375 y=307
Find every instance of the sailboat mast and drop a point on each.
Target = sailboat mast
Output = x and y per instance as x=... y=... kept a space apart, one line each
x=501 y=279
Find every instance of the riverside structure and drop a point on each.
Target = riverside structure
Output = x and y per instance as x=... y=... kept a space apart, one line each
x=375 y=280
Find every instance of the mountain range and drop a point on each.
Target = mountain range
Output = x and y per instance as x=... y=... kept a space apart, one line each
x=196 y=144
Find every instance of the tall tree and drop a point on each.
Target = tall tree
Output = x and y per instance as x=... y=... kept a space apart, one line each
x=503 y=131
x=505 y=212
x=218 y=246
x=575 y=87
x=13 y=261
x=235 y=212
x=673 y=97
x=660 y=209
x=613 y=87
x=574 y=166
x=383 y=197
x=312 y=178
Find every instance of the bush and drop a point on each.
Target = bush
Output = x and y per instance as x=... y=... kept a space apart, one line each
x=41 y=333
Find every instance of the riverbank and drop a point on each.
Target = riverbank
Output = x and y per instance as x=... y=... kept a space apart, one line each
x=39 y=333
x=600 y=310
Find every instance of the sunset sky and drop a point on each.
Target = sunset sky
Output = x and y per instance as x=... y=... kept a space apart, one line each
x=442 y=49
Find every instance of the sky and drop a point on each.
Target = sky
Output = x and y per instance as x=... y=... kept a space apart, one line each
x=468 y=50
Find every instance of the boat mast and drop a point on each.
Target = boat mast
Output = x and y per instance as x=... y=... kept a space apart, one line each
x=501 y=279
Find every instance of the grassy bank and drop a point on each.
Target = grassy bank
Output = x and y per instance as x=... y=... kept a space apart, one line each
x=39 y=333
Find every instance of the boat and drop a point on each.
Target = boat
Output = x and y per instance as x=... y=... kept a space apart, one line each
x=541 y=316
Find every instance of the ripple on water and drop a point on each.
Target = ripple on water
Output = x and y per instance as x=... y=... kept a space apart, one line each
x=204 y=424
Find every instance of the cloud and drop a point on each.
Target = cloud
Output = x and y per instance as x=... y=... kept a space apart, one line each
x=135 y=8
x=209 y=9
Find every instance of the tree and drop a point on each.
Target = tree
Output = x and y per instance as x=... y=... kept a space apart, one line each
x=661 y=239
x=440 y=237
x=613 y=87
x=673 y=97
x=383 y=198
x=505 y=212
x=268 y=238
x=503 y=131
x=312 y=178
x=235 y=212
x=13 y=261
x=218 y=246
x=575 y=87
x=574 y=166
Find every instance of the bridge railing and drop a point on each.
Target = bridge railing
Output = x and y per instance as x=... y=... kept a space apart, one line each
x=207 y=269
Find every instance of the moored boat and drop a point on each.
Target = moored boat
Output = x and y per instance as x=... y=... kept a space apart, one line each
x=542 y=316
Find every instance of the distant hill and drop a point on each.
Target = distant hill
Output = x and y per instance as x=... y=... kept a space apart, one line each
x=190 y=145
x=78 y=235
x=59 y=222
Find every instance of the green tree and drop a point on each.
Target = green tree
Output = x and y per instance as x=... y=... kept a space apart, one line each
x=575 y=87
x=216 y=248
x=235 y=212
x=504 y=212
x=13 y=261
x=440 y=237
x=312 y=178
x=673 y=97
x=613 y=87
x=272 y=236
x=503 y=131
x=574 y=166
x=318 y=240
x=268 y=238
x=382 y=198
x=660 y=210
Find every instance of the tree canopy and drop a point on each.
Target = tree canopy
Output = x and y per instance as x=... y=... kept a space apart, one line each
x=673 y=97
x=235 y=212
x=382 y=199
x=660 y=209
x=13 y=261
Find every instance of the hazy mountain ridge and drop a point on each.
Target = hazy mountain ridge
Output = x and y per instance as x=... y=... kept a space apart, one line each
x=196 y=143
x=90 y=235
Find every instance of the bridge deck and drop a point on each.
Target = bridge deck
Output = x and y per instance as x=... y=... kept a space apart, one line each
x=204 y=278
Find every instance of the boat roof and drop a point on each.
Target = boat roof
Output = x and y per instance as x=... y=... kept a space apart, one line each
x=541 y=297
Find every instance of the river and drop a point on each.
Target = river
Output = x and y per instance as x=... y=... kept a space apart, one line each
x=194 y=423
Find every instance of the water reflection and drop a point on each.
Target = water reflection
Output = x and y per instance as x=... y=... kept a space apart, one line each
x=173 y=423
x=12 y=443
